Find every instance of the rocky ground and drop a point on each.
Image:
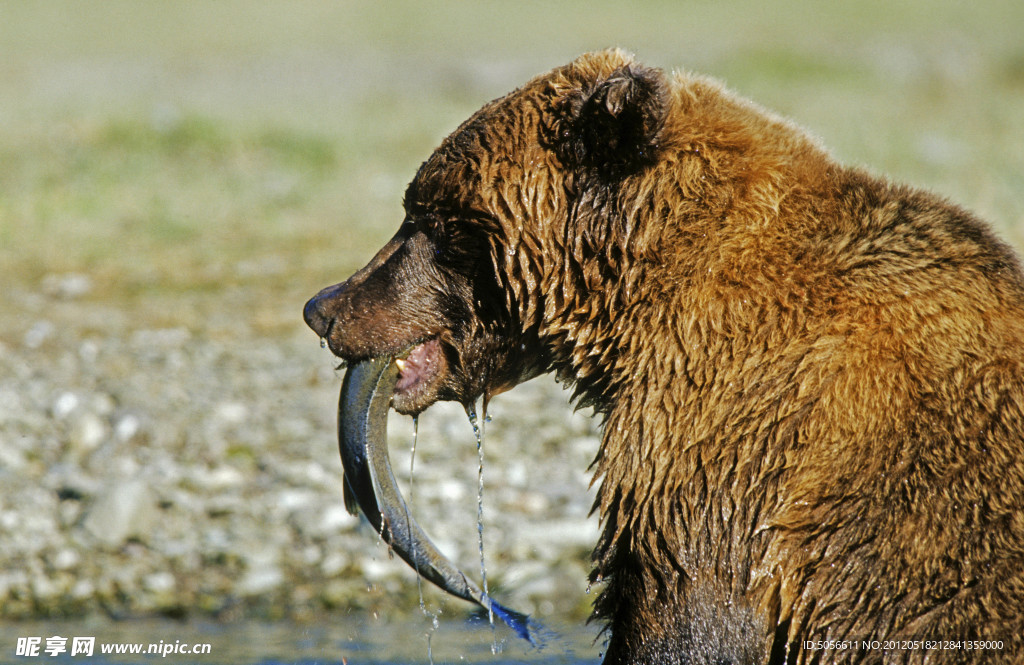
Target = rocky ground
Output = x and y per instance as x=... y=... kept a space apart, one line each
x=183 y=471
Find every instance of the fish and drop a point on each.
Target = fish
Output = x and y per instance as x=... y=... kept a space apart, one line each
x=370 y=486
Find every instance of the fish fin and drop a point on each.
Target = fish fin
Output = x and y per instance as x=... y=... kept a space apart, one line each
x=521 y=623
x=351 y=502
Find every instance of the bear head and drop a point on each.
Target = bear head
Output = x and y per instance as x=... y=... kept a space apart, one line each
x=505 y=230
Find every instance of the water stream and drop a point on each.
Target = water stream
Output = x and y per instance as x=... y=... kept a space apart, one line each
x=419 y=580
x=478 y=431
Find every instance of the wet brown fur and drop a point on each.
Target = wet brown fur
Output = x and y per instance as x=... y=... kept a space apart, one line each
x=812 y=379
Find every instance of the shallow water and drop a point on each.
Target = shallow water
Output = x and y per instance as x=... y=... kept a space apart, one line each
x=348 y=642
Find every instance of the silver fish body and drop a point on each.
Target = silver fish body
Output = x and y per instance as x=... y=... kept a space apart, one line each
x=369 y=482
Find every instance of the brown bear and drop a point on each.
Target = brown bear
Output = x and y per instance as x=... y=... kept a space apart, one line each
x=811 y=379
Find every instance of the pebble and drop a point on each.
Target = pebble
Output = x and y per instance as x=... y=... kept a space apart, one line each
x=260 y=580
x=65 y=559
x=160 y=582
x=67 y=286
x=126 y=427
x=231 y=413
x=218 y=478
x=333 y=563
x=65 y=403
x=88 y=432
x=336 y=518
x=126 y=509
x=38 y=334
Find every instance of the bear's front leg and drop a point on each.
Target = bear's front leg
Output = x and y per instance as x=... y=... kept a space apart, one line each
x=661 y=617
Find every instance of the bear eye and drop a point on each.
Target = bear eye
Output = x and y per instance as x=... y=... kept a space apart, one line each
x=422 y=223
x=434 y=226
x=447 y=231
x=440 y=233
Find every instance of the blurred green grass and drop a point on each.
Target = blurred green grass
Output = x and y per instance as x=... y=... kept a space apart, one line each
x=209 y=162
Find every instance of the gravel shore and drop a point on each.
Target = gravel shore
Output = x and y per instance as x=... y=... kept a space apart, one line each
x=177 y=471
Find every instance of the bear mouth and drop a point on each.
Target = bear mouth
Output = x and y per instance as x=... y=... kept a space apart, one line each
x=421 y=371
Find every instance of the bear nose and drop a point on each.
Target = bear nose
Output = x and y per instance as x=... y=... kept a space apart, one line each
x=314 y=315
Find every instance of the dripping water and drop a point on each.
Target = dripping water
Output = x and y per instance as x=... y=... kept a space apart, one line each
x=419 y=580
x=478 y=431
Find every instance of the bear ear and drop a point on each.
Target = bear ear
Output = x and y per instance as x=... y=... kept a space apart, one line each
x=612 y=125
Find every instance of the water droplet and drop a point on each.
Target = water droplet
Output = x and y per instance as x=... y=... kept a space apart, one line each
x=471 y=413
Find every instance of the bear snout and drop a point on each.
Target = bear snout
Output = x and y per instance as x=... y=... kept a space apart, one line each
x=344 y=318
x=315 y=312
x=373 y=313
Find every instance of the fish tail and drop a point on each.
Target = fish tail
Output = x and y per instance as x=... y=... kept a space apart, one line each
x=517 y=621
